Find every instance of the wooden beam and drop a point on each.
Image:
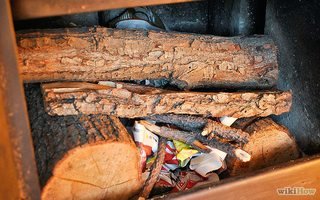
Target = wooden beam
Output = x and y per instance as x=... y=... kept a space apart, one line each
x=38 y=8
x=18 y=172
x=131 y=101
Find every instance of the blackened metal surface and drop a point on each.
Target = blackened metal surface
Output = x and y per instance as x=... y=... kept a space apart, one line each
x=187 y=17
x=44 y=8
x=66 y=21
x=295 y=26
x=236 y=17
x=18 y=173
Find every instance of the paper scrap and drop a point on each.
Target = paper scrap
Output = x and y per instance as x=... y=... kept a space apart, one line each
x=228 y=121
x=208 y=162
x=145 y=137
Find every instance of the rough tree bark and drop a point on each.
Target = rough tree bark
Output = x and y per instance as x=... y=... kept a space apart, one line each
x=131 y=101
x=186 y=60
x=155 y=170
x=174 y=134
x=197 y=141
x=83 y=157
x=270 y=144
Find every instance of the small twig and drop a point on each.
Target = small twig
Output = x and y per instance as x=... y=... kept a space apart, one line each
x=197 y=141
x=208 y=127
x=184 y=122
x=232 y=150
x=243 y=123
x=214 y=128
x=173 y=134
x=155 y=169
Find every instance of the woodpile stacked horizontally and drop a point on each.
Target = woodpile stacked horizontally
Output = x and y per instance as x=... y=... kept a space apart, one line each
x=84 y=151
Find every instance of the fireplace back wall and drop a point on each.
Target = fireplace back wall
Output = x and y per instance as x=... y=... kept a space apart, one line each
x=294 y=25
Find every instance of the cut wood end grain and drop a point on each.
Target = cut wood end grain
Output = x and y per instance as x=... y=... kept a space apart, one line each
x=97 y=172
x=270 y=144
x=95 y=158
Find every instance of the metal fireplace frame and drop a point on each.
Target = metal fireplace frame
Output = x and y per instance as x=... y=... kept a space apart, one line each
x=17 y=161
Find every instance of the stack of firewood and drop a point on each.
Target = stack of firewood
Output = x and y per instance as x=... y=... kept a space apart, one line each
x=84 y=151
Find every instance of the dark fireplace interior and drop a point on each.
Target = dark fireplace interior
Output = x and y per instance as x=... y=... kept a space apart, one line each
x=293 y=25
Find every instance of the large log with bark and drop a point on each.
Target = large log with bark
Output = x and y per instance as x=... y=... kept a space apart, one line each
x=83 y=157
x=270 y=144
x=131 y=101
x=185 y=60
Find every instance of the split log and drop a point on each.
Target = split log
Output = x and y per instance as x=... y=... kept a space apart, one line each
x=83 y=157
x=270 y=144
x=132 y=101
x=185 y=60
x=202 y=125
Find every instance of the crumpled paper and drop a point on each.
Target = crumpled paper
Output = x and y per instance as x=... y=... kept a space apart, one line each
x=208 y=162
x=146 y=141
x=189 y=179
x=185 y=152
x=204 y=167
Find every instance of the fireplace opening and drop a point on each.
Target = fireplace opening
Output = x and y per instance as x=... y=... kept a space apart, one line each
x=167 y=101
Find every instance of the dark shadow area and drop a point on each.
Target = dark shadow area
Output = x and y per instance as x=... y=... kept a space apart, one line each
x=295 y=26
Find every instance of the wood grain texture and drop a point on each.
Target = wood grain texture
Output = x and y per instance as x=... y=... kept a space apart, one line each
x=131 y=101
x=83 y=157
x=270 y=144
x=185 y=60
x=100 y=161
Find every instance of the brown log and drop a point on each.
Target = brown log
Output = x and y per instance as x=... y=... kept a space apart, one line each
x=185 y=122
x=83 y=157
x=131 y=101
x=216 y=129
x=185 y=60
x=270 y=144
x=243 y=123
